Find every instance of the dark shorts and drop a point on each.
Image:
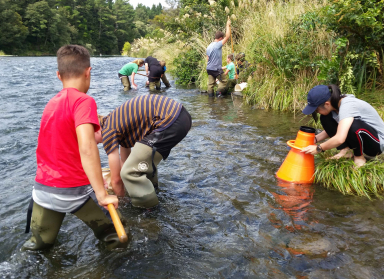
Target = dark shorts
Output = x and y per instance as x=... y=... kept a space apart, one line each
x=165 y=140
x=120 y=75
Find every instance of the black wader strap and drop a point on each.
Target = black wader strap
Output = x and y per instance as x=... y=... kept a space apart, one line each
x=153 y=164
x=29 y=216
x=153 y=155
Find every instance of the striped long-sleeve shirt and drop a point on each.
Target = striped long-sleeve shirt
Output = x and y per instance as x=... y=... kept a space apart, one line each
x=137 y=118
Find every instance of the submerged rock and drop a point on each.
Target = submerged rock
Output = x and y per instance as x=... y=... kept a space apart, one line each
x=312 y=245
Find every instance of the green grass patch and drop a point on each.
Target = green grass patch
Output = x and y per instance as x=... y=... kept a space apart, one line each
x=342 y=175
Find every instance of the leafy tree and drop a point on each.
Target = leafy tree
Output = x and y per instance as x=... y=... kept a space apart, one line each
x=12 y=30
x=124 y=26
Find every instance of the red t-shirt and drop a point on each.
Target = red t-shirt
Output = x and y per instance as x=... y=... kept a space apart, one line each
x=58 y=156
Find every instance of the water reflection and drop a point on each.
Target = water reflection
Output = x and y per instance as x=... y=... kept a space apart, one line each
x=294 y=200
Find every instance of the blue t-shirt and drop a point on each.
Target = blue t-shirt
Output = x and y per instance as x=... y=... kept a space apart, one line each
x=214 y=54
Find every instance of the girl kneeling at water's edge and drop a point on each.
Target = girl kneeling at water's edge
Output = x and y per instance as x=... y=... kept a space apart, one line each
x=350 y=123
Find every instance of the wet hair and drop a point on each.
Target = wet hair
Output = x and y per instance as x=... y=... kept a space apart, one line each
x=72 y=61
x=219 y=35
x=138 y=62
x=230 y=56
x=162 y=63
x=336 y=96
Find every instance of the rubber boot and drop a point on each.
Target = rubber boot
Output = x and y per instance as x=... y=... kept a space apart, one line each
x=45 y=226
x=135 y=172
x=165 y=81
x=211 y=86
x=93 y=216
x=126 y=83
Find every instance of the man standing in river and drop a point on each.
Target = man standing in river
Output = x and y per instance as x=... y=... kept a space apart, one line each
x=214 y=61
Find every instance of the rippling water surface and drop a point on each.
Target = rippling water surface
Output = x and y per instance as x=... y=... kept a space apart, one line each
x=222 y=213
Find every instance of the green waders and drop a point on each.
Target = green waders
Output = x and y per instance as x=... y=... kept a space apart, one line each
x=154 y=84
x=137 y=175
x=212 y=83
x=165 y=81
x=126 y=83
x=230 y=85
x=46 y=223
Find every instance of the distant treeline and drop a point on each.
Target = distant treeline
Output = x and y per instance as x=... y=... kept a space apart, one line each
x=41 y=27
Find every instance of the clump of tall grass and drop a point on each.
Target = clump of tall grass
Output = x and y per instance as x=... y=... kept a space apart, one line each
x=284 y=52
x=344 y=176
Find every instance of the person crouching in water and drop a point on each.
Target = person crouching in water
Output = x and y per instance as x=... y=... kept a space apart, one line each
x=68 y=177
x=152 y=125
x=127 y=70
x=230 y=71
x=350 y=123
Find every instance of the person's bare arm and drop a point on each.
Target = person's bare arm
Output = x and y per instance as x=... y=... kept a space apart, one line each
x=115 y=168
x=90 y=160
x=124 y=153
x=134 y=85
x=336 y=140
x=321 y=136
x=207 y=58
x=146 y=69
x=227 y=32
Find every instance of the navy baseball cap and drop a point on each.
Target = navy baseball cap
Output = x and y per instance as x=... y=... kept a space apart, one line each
x=317 y=96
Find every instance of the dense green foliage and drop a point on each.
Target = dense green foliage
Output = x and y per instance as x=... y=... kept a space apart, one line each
x=292 y=45
x=358 y=57
x=187 y=67
x=30 y=26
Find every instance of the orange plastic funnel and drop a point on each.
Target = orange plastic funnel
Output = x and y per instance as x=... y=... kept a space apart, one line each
x=299 y=167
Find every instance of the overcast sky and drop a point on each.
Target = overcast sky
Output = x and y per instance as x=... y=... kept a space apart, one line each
x=148 y=3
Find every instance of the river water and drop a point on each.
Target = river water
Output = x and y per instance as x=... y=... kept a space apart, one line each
x=222 y=213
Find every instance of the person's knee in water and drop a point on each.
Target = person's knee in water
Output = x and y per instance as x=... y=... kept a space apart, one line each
x=138 y=175
x=67 y=129
x=350 y=123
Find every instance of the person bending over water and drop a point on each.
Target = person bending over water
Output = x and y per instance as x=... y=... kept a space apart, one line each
x=350 y=123
x=130 y=69
x=152 y=125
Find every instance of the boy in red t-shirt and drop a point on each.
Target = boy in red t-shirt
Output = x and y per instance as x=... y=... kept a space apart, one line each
x=68 y=176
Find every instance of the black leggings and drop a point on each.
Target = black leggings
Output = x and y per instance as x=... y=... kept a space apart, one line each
x=361 y=137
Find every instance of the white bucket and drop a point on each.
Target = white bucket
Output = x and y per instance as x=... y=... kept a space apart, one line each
x=239 y=87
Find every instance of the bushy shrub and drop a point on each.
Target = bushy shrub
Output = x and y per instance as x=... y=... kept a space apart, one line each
x=187 y=67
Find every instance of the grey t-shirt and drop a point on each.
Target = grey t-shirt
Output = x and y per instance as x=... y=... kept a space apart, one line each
x=214 y=53
x=353 y=107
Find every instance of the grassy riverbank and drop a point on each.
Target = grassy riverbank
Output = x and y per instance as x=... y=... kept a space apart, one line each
x=291 y=46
